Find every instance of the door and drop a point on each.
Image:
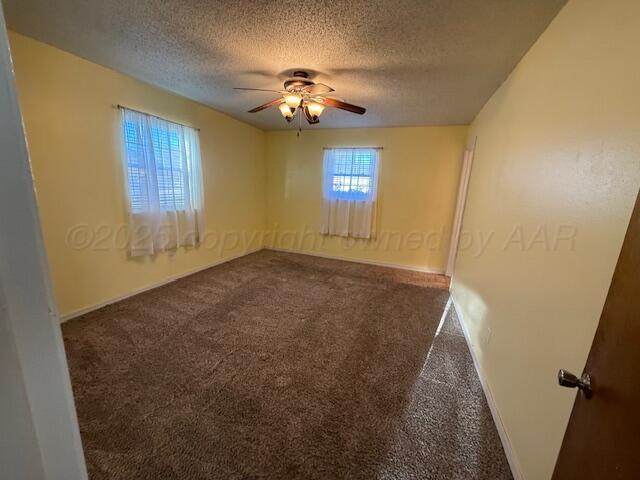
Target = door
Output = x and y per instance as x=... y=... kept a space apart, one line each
x=603 y=436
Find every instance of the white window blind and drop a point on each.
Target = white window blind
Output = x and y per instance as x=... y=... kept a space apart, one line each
x=171 y=155
x=350 y=173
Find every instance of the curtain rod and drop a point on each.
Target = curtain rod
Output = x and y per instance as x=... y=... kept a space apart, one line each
x=120 y=107
x=352 y=148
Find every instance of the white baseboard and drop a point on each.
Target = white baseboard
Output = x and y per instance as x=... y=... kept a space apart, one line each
x=412 y=268
x=173 y=278
x=82 y=311
x=516 y=470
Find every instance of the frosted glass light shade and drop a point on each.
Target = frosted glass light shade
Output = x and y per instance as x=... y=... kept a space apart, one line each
x=315 y=108
x=285 y=110
x=292 y=100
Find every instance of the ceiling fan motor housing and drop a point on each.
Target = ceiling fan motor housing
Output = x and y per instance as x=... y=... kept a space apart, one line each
x=299 y=80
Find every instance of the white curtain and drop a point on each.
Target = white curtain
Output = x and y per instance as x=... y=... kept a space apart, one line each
x=164 y=183
x=350 y=188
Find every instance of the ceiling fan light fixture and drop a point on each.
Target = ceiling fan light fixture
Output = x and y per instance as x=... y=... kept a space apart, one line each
x=315 y=108
x=286 y=111
x=292 y=100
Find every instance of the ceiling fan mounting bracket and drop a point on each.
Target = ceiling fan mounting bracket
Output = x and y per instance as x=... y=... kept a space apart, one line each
x=299 y=80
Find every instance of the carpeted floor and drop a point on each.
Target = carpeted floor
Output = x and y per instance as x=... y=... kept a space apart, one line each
x=282 y=366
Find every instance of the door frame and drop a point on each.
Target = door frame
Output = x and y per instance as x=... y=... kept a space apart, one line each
x=456 y=227
x=41 y=403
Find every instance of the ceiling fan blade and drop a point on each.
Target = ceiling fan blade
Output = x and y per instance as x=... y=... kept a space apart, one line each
x=309 y=117
x=318 y=88
x=257 y=89
x=277 y=101
x=332 y=102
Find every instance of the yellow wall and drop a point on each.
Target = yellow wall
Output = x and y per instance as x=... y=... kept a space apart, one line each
x=419 y=171
x=74 y=139
x=558 y=147
x=73 y=133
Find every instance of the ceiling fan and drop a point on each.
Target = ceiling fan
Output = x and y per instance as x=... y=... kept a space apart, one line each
x=302 y=93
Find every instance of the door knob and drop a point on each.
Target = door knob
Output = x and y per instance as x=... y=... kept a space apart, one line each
x=569 y=380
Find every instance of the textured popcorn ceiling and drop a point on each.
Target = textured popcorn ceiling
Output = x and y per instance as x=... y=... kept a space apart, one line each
x=420 y=62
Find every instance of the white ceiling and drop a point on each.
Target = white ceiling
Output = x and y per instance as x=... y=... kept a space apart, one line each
x=409 y=62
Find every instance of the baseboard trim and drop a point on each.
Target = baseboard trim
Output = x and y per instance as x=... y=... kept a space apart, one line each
x=516 y=471
x=173 y=278
x=412 y=268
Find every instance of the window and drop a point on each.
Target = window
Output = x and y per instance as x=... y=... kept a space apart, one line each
x=164 y=183
x=350 y=184
x=350 y=173
x=161 y=161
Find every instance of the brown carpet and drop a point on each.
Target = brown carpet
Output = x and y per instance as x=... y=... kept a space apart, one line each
x=282 y=366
